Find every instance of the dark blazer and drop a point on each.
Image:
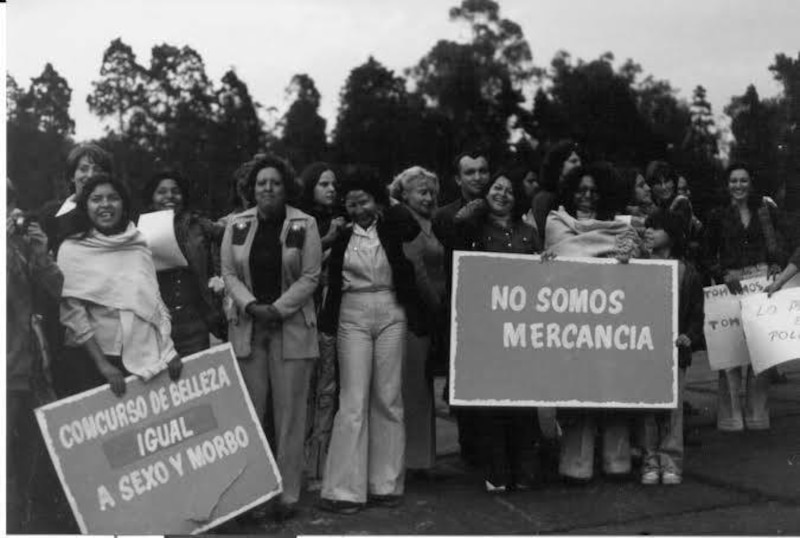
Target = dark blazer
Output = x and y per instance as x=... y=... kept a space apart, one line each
x=395 y=227
x=57 y=228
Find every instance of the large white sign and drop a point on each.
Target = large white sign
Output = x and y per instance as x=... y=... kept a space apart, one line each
x=772 y=328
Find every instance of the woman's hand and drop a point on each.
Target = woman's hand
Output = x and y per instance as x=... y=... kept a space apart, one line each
x=734 y=284
x=114 y=377
x=471 y=209
x=264 y=312
x=175 y=368
x=216 y=284
x=547 y=256
x=774 y=270
x=683 y=341
x=772 y=287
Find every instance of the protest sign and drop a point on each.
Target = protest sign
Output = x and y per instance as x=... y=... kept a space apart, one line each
x=573 y=332
x=725 y=336
x=158 y=229
x=772 y=328
x=166 y=458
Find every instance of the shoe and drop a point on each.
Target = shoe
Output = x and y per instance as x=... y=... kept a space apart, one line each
x=670 y=478
x=649 y=477
x=284 y=512
x=385 y=501
x=757 y=424
x=491 y=488
x=733 y=424
x=340 y=507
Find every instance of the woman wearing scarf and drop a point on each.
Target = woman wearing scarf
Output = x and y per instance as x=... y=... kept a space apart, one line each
x=186 y=291
x=271 y=257
x=584 y=227
x=116 y=323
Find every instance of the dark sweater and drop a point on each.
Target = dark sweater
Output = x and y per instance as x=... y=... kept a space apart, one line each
x=691 y=315
x=395 y=227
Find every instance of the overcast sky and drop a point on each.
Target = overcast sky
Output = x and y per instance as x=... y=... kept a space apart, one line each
x=723 y=44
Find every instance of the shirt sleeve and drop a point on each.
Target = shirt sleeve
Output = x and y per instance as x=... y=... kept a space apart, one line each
x=75 y=319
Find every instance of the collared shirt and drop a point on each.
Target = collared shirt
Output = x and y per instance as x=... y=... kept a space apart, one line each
x=265 y=258
x=366 y=267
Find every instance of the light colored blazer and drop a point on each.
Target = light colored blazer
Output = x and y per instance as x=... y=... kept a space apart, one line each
x=300 y=269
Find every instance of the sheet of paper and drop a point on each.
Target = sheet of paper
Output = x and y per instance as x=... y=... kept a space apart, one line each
x=772 y=328
x=159 y=230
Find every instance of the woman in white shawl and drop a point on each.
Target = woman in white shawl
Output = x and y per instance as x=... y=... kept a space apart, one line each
x=116 y=323
x=583 y=226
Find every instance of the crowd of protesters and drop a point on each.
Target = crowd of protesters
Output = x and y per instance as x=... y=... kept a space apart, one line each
x=333 y=289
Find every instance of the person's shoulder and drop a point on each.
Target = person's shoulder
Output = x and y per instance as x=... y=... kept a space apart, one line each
x=449 y=210
x=293 y=212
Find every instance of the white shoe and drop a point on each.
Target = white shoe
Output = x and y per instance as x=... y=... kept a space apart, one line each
x=491 y=488
x=650 y=477
x=671 y=478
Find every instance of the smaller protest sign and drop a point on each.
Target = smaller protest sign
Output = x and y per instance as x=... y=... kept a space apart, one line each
x=772 y=328
x=168 y=457
x=159 y=230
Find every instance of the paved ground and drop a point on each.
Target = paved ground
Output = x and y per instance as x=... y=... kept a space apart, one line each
x=741 y=483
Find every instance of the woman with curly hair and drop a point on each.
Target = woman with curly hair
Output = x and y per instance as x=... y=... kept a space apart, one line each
x=194 y=309
x=584 y=226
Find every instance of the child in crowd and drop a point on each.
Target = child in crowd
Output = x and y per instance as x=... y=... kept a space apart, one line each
x=663 y=430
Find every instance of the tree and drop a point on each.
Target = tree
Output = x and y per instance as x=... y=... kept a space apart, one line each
x=477 y=85
x=786 y=70
x=702 y=137
x=38 y=127
x=121 y=92
x=304 y=138
x=49 y=97
x=376 y=119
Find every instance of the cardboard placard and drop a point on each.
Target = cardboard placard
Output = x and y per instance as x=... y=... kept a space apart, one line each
x=573 y=332
x=158 y=229
x=167 y=457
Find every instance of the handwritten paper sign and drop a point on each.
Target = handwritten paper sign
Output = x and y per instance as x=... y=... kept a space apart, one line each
x=167 y=457
x=725 y=336
x=580 y=332
x=772 y=328
x=158 y=229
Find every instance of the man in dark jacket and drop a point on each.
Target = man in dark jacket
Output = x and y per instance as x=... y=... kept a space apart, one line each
x=472 y=175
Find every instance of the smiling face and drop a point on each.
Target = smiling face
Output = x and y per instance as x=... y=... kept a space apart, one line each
x=361 y=208
x=683 y=187
x=421 y=197
x=664 y=189
x=473 y=175
x=586 y=196
x=105 y=207
x=500 y=197
x=269 y=191
x=325 y=189
x=168 y=195
x=739 y=185
x=642 y=191
x=86 y=168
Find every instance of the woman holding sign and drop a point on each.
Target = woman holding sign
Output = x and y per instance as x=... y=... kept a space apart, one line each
x=508 y=437
x=271 y=257
x=116 y=323
x=194 y=310
x=743 y=240
x=584 y=226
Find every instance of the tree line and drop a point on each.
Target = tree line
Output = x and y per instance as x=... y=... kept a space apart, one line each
x=167 y=112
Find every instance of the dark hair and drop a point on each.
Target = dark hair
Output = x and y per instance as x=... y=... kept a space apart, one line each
x=673 y=225
x=157 y=178
x=239 y=182
x=553 y=163
x=515 y=177
x=626 y=192
x=308 y=180
x=472 y=153
x=754 y=199
x=85 y=224
x=606 y=182
x=658 y=171
x=260 y=162
x=98 y=155
x=364 y=178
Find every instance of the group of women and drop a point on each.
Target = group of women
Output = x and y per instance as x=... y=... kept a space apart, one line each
x=332 y=290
